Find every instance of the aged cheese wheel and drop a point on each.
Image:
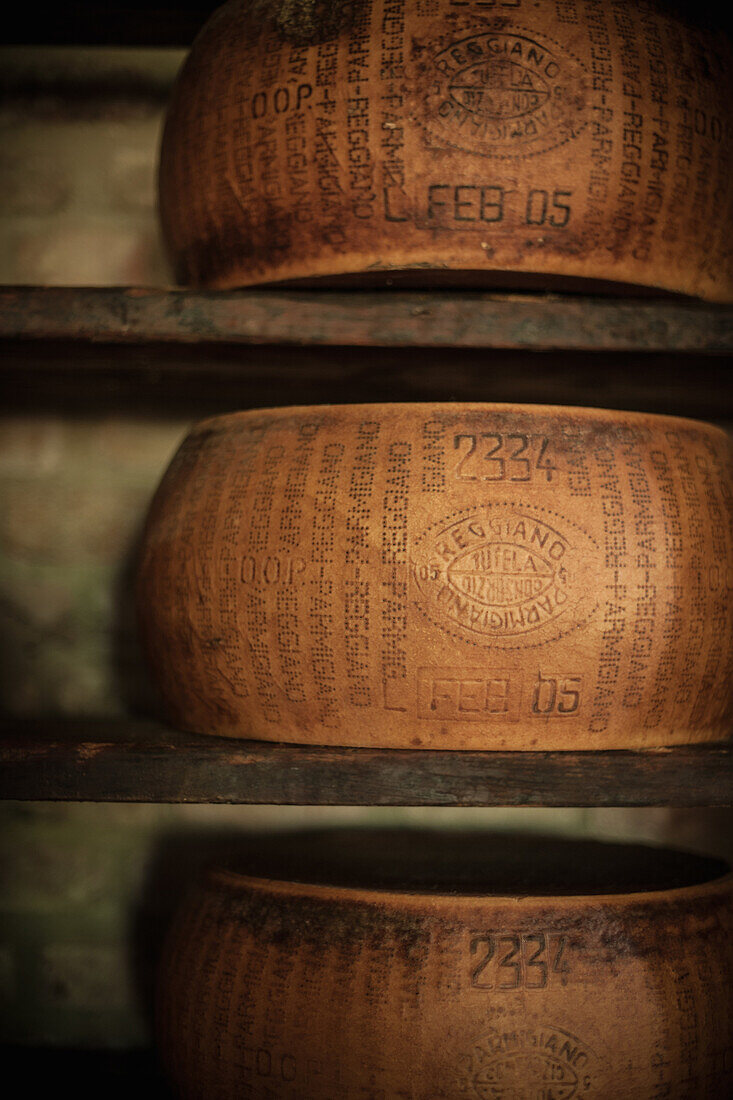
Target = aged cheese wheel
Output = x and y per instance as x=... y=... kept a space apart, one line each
x=508 y=142
x=456 y=576
x=504 y=980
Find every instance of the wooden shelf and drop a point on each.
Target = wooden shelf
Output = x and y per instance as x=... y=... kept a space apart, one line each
x=394 y=318
x=94 y=351
x=141 y=761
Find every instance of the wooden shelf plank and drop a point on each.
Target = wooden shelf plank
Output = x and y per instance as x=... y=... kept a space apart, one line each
x=394 y=318
x=125 y=761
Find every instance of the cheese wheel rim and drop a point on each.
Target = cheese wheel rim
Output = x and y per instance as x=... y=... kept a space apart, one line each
x=447 y=995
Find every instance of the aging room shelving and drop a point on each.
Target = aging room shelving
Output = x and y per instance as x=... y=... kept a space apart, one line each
x=118 y=761
x=97 y=351
x=168 y=345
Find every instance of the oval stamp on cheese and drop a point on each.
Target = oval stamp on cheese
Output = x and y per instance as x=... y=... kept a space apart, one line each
x=505 y=94
x=500 y=572
x=534 y=1063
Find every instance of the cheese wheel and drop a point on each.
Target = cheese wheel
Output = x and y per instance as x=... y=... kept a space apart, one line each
x=505 y=142
x=445 y=576
x=475 y=984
